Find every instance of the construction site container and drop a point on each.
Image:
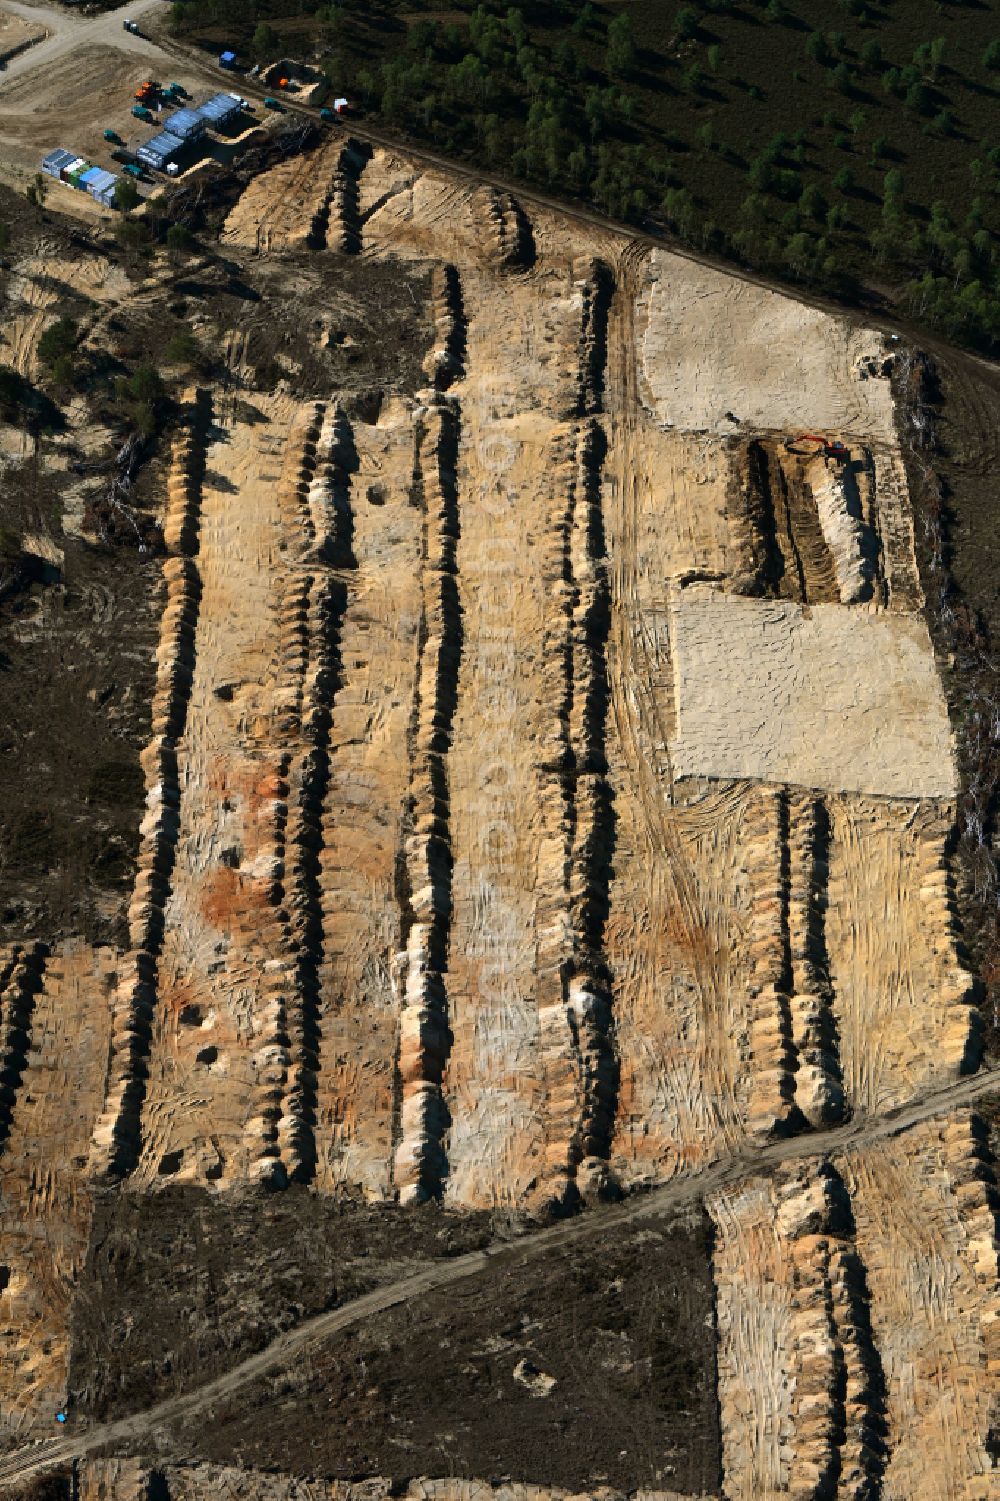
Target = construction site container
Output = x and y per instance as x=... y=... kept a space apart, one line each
x=100 y=183
x=187 y=124
x=160 y=150
x=75 y=164
x=219 y=110
x=56 y=161
x=86 y=178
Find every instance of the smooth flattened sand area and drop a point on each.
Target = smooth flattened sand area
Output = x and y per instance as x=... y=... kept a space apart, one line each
x=715 y=344
x=827 y=697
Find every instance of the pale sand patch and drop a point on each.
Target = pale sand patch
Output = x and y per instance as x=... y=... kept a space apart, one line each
x=16 y=31
x=714 y=344
x=828 y=697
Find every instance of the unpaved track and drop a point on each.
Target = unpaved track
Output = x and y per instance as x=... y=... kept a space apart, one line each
x=68 y=31
x=21 y=1464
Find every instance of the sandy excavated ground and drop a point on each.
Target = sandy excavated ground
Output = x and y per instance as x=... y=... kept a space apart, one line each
x=17 y=32
x=805 y=697
x=114 y=1480
x=549 y=792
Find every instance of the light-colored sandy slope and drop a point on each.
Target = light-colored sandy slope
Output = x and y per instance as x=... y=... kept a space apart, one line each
x=818 y=696
x=858 y=1323
x=421 y=213
x=417 y=214
x=713 y=343
x=278 y=209
x=127 y=1480
x=676 y=940
x=901 y=996
x=221 y=944
x=676 y=894
x=45 y=1205
x=21 y=331
x=681 y=900
x=519 y=345
x=512 y=1086
x=928 y=1240
x=363 y=810
x=754 y=1309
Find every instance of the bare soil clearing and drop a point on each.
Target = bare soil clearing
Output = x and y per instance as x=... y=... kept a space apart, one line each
x=623 y=1396
x=17 y=33
x=548 y=792
x=867 y=710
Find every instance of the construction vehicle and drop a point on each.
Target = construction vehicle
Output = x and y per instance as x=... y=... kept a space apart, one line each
x=815 y=443
x=178 y=88
x=142 y=113
x=113 y=137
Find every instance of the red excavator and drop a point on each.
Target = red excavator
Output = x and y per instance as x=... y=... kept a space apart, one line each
x=829 y=448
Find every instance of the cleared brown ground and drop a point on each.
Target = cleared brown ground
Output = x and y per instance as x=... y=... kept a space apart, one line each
x=447 y=892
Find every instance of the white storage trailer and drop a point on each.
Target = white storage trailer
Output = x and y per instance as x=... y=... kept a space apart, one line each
x=53 y=164
x=102 y=186
x=160 y=150
x=220 y=109
x=187 y=124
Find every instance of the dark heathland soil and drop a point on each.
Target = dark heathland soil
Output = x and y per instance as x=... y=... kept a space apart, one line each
x=180 y=1284
x=623 y=1327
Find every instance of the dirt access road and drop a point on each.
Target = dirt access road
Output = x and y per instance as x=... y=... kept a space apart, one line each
x=68 y=31
x=33 y=1459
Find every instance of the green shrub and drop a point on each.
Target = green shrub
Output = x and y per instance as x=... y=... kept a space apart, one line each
x=686 y=23
x=58 y=340
x=184 y=349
